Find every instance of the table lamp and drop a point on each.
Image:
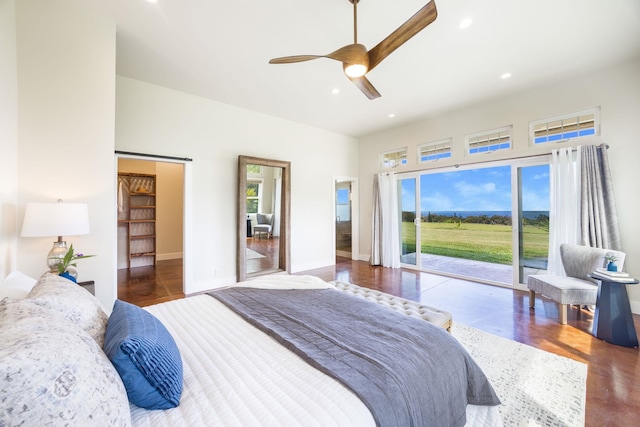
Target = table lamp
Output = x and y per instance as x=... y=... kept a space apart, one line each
x=55 y=219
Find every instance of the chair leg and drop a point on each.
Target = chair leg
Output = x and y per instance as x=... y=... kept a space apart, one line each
x=563 y=314
x=532 y=299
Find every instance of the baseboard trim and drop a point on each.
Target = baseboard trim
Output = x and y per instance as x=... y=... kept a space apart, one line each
x=168 y=256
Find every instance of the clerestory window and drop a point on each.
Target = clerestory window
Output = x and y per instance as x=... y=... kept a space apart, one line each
x=489 y=141
x=432 y=151
x=394 y=158
x=565 y=127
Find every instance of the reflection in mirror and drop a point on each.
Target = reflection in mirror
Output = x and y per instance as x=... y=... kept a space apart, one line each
x=263 y=216
x=264 y=190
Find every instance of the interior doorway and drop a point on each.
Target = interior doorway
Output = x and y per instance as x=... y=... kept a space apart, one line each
x=344 y=235
x=346 y=217
x=150 y=230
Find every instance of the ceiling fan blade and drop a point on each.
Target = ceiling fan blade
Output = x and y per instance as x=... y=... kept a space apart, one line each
x=296 y=58
x=404 y=32
x=350 y=54
x=366 y=87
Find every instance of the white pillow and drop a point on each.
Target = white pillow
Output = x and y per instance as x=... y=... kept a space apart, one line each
x=71 y=301
x=16 y=285
x=53 y=373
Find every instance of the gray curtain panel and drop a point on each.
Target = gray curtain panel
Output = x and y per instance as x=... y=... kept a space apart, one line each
x=376 y=224
x=598 y=210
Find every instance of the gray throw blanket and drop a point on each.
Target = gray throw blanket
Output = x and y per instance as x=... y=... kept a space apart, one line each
x=408 y=372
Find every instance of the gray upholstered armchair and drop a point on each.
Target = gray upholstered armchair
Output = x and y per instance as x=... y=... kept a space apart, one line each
x=264 y=225
x=576 y=288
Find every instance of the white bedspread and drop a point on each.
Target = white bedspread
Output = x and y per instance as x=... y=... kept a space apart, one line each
x=235 y=375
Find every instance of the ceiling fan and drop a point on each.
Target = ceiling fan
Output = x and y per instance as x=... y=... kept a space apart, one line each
x=357 y=61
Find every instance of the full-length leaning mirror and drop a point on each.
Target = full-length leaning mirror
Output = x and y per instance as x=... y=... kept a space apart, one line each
x=264 y=188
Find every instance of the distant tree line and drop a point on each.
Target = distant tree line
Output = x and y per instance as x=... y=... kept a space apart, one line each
x=471 y=219
x=541 y=221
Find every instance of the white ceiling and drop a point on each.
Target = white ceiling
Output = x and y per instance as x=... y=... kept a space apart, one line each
x=220 y=50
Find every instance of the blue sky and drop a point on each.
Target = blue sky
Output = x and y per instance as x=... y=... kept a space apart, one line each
x=484 y=189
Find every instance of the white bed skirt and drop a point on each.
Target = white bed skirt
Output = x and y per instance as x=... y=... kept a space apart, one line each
x=235 y=375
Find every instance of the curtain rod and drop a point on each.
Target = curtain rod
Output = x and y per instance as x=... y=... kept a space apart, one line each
x=528 y=156
x=154 y=156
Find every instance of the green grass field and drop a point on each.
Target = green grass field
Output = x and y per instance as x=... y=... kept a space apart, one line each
x=482 y=242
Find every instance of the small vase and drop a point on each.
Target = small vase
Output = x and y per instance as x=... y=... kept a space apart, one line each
x=612 y=266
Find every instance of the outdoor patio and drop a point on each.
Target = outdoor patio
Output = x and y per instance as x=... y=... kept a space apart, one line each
x=482 y=271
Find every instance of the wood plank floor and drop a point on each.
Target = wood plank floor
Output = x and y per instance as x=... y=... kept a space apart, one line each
x=151 y=285
x=613 y=382
x=268 y=249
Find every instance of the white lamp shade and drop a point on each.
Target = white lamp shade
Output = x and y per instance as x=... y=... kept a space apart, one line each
x=55 y=219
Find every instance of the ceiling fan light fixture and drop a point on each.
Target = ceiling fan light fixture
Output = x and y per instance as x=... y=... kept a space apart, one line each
x=357 y=60
x=355 y=70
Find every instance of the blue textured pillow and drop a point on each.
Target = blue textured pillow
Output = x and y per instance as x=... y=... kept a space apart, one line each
x=145 y=355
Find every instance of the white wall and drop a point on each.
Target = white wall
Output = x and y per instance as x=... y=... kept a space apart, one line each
x=154 y=120
x=66 y=121
x=8 y=138
x=616 y=90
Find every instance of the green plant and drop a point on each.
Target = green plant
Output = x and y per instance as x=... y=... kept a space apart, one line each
x=611 y=257
x=69 y=260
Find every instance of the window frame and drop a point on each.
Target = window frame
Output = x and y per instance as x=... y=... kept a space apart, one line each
x=258 y=197
x=596 y=126
x=514 y=164
x=442 y=142
x=403 y=158
x=488 y=134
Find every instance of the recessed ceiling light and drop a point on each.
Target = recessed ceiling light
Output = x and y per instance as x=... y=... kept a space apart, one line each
x=335 y=91
x=392 y=115
x=152 y=1
x=505 y=76
x=465 y=23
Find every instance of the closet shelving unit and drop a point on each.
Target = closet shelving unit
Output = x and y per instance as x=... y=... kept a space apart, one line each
x=137 y=211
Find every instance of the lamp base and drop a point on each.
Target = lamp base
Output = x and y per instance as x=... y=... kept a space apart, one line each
x=56 y=255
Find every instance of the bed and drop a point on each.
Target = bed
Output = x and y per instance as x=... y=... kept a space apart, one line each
x=55 y=371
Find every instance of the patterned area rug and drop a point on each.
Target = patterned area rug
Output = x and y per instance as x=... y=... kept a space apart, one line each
x=537 y=388
x=251 y=254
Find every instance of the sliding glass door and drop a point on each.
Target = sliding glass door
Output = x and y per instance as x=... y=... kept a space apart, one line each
x=533 y=219
x=409 y=221
x=488 y=223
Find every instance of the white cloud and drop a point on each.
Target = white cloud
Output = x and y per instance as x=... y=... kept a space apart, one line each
x=437 y=202
x=541 y=176
x=533 y=201
x=466 y=189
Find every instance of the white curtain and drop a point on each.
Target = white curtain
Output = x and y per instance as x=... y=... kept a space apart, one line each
x=385 y=238
x=564 y=209
x=376 y=224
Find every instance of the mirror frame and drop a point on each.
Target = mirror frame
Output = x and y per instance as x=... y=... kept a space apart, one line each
x=284 y=254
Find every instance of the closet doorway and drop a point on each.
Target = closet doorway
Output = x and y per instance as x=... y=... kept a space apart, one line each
x=150 y=209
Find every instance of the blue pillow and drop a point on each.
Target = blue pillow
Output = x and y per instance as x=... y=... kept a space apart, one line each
x=145 y=355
